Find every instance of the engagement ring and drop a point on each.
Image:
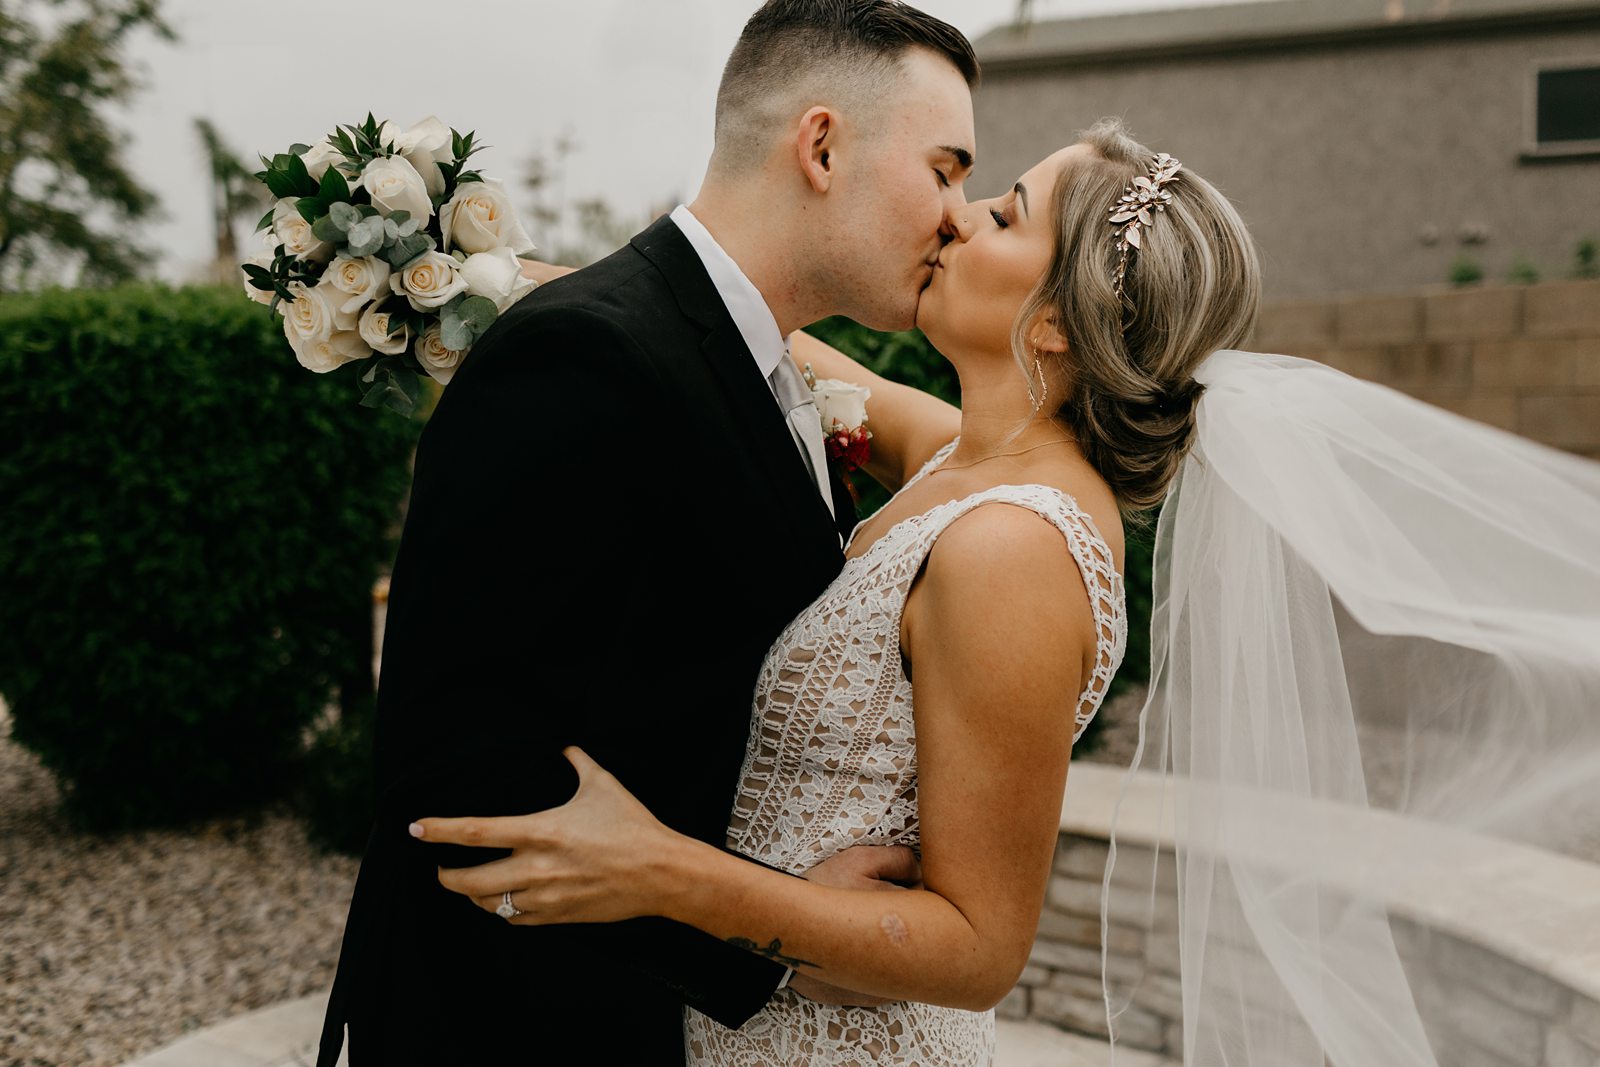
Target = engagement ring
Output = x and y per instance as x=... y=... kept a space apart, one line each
x=507 y=910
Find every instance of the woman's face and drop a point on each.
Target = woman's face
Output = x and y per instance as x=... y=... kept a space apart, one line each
x=999 y=250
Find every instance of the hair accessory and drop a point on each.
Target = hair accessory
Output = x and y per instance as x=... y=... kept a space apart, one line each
x=1140 y=200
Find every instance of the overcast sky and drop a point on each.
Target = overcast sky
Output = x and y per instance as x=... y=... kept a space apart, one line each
x=634 y=81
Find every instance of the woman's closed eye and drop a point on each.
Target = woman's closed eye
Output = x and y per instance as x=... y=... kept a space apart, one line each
x=999 y=219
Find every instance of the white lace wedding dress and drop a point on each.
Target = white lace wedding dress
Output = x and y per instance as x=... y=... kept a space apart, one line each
x=832 y=762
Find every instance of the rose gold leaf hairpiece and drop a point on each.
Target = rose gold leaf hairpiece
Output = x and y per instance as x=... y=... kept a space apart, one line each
x=1136 y=208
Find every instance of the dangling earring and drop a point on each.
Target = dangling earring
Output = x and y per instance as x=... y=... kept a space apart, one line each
x=1044 y=385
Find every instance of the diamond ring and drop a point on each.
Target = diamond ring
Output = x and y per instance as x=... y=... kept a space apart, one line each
x=507 y=910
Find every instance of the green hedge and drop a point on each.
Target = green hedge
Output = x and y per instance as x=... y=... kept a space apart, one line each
x=192 y=526
x=909 y=359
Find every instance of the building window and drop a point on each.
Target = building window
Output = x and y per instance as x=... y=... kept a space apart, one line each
x=1566 y=109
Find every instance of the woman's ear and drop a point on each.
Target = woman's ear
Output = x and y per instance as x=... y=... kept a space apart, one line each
x=814 y=147
x=1043 y=336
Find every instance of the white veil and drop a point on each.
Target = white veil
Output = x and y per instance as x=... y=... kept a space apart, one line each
x=1376 y=635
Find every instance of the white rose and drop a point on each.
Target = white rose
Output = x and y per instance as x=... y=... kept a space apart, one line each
x=294 y=232
x=431 y=281
x=840 y=402
x=331 y=352
x=479 y=217
x=374 y=330
x=262 y=259
x=394 y=185
x=425 y=146
x=440 y=362
x=315 y=314
x=319 y=157
x=364 y=278
x=496 y=275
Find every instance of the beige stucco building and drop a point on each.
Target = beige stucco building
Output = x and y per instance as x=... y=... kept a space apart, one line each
x=1368 y=143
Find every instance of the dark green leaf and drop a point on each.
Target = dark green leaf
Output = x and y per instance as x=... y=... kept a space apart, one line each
x=266 y=220
x=333 y=187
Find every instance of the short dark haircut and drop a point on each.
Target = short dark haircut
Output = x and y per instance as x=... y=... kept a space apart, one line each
x=791 y=46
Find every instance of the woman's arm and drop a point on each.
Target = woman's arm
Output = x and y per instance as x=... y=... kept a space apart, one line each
x=999 y=653
x=908 y=426
x=542 y=272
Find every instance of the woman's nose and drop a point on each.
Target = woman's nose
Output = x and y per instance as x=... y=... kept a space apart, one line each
x=956 y=226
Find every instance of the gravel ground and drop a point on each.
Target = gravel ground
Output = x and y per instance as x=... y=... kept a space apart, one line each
x=114 y=947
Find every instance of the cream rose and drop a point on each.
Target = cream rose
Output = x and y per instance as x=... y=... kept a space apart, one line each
x=431 y=281
x=363 y=279
x=314 y=314
x=440 y=362
x=374 y=330
x=394 y=185
x=294 y=232
x=319 y=157
x=264 y=260
x=496 y=275
x=425 y=146
x=331 y=352
x=840 y=402
x=479 y=218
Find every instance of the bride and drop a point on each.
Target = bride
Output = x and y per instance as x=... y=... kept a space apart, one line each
x=931 y=695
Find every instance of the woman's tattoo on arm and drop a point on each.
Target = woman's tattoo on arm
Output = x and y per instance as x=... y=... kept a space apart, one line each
x=772 y=951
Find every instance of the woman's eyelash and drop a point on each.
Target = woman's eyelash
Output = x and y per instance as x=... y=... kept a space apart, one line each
x=999 y=219
x=943 y=180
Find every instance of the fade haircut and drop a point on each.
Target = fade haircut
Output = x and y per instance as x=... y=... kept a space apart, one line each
x=847 y=54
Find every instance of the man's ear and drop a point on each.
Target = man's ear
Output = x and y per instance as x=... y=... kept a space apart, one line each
x=814 y=142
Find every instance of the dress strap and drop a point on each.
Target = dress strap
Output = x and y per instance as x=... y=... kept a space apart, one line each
x=1107 y=597
x=935 y=460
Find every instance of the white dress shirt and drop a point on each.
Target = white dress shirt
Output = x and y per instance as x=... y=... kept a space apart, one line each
x=759 y=328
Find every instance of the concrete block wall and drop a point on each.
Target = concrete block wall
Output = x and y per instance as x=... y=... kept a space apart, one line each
x=1524 y=358
x=1489 y=1012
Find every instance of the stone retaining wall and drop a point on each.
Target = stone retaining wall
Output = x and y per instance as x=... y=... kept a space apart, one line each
x=1491 y=1012
x=1523 y=358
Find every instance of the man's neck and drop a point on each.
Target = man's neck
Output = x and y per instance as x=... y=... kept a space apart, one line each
x=765 y=253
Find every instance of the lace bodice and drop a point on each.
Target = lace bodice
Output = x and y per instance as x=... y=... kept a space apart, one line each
x=832 y=762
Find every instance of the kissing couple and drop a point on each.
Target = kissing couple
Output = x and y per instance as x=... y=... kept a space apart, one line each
x=679 y=763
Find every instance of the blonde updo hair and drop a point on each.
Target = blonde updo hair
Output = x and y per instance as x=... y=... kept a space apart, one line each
x=1194 y=287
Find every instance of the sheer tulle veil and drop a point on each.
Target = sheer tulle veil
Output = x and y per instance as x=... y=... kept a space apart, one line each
x=1376 y=636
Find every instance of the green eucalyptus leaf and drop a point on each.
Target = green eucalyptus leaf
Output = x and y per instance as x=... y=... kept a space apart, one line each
x=343 y=215
x=326 y=229
x=406 y=249
x=399 y=218
x=479 y=313
x=366 y=237
x=454 y=332
x=299 y=149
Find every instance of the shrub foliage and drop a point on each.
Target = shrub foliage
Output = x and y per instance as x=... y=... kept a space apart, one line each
x=192 y=527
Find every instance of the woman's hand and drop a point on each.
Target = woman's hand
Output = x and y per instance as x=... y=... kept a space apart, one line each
x=593 y=859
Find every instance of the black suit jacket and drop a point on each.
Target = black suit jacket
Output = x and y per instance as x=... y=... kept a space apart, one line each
x=609 y=525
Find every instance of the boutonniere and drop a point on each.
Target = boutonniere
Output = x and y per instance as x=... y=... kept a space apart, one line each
x=843 y=410
x=842 y=407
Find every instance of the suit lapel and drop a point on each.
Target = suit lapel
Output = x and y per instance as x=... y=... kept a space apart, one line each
x=749 y=398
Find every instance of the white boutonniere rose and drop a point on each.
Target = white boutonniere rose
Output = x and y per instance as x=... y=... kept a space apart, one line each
x=431 y=281
x=842 y=406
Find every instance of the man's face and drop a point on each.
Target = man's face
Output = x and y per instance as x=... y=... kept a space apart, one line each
x=911 y=179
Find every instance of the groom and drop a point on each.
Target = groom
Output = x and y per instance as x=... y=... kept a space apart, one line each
x=618 y=504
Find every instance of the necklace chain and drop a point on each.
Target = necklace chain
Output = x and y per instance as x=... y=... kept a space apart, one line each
x=997 y=455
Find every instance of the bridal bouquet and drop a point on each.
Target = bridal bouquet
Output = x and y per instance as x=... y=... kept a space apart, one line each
x=382 y=246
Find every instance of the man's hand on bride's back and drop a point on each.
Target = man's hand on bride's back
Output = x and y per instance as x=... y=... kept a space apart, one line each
x=542 y=272
x=876 y=867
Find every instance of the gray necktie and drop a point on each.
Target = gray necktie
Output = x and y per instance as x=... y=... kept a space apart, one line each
x=805 y=425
